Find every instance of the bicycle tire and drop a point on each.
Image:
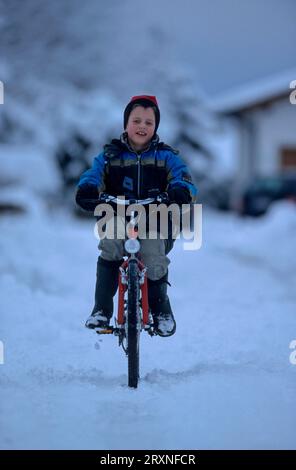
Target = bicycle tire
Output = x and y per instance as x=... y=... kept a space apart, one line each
x=133 y=324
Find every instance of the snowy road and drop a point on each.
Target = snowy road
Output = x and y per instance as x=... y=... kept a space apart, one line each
x=224 y=381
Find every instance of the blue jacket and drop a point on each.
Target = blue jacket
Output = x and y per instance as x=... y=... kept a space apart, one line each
x=121 y=171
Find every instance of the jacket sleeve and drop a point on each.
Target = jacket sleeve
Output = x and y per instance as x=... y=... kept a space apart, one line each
x=96 y=174
x=178 y=175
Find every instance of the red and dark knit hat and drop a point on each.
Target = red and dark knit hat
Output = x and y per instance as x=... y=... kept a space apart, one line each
x=146 y=101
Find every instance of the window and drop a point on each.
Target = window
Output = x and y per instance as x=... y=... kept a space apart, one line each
x=288 y=158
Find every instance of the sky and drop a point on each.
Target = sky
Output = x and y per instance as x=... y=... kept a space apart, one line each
x=127 y=45
x=223 y=42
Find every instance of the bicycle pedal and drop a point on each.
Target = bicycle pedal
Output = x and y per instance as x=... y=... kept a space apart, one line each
x=104 y=331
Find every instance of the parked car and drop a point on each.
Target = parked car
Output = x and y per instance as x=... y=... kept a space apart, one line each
x=216 y=194
x=262 y=192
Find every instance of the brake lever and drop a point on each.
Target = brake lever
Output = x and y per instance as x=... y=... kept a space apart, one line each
x=105 y=198
x=163 y=198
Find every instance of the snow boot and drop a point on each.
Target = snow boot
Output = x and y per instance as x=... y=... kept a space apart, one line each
x=97 y=320
x=106 y=287
x=159 y=303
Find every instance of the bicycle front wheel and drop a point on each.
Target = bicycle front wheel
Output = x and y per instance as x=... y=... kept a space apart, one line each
x=133 y=324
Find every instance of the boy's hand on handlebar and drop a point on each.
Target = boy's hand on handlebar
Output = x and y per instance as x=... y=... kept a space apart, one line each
x=87 y=196
x=180 y=195
x=88 y=191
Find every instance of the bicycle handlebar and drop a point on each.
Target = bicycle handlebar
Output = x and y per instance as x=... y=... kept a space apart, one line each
x=160 y=198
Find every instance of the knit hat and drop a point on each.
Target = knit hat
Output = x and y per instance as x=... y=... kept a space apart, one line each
x=146 y=101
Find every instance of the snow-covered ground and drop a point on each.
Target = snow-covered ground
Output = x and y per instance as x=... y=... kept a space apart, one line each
x=223 y=381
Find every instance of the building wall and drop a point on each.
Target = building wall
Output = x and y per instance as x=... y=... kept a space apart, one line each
x=275 y=130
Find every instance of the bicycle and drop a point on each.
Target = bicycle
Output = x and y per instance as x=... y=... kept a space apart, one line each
x=133 y=315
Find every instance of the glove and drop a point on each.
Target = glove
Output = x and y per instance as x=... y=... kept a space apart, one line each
x=87 y=196
x=180 y=195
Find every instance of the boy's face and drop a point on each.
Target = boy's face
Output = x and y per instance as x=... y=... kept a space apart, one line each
x=140 y=127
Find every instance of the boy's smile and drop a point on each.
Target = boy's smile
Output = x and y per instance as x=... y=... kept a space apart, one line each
x=140 y=127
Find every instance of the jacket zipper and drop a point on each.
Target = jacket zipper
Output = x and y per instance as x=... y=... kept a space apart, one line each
x=139 y=168
x=139 y=165
x=139 y=173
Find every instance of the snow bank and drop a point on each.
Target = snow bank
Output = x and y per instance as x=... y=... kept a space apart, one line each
x=269 y=240
x=28 y=176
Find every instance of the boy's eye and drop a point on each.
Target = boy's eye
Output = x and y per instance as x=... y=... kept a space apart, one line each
x=148 y=123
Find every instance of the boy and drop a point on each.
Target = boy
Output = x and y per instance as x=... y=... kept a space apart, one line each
x=130 y=167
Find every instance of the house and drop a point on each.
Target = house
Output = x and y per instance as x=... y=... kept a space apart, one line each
x=263 y=117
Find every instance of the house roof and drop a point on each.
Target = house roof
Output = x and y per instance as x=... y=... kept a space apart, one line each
x=255 y=93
